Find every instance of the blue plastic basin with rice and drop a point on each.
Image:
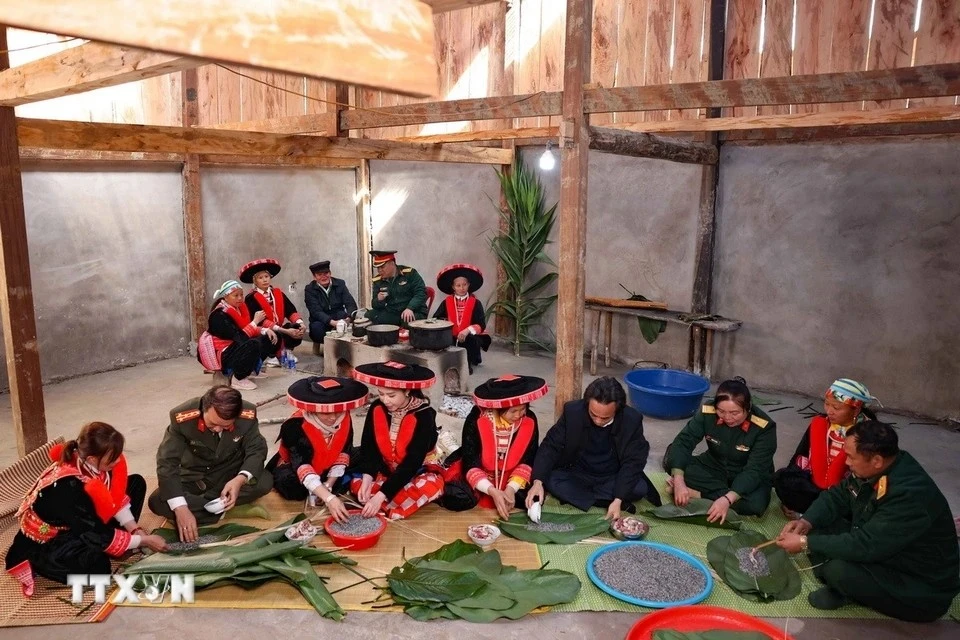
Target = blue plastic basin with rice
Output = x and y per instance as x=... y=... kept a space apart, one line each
x=668 y=394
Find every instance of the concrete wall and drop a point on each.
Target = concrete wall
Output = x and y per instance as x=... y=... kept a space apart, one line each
x=841 y=260
x=435 y=214
x=107 y=265
x=641 y=215
x=296 y=215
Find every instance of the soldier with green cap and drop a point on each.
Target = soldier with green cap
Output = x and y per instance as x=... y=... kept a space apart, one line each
x=399 y=293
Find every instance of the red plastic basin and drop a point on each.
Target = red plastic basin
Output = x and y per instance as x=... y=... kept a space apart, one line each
x=355 y=543
x=702 y=617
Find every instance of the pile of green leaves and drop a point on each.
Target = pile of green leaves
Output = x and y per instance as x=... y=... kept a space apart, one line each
x=696 y=513
x=268 y=557
x=584 y=526
x=222 y=533
x=460 y=580
x=783 y=582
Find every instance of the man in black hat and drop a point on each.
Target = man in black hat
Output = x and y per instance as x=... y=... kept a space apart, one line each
x=327 y=299
x=595 y=454
x=399 y=293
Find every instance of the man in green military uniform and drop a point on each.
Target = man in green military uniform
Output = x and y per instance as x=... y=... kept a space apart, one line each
x=211 y=449
x=399 y=293
x=884 y=536
x=736 y=470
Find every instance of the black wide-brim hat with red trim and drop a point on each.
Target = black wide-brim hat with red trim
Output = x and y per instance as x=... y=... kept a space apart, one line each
x=509 y=391
x=451 y=272
x=395 y=375
x=251 y=269
x=327 y=394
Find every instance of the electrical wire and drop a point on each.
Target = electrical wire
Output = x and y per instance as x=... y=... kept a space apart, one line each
x=42 y=44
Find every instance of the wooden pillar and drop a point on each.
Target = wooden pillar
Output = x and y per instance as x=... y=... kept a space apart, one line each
x=338 y=92
x=574 y=156
x=364 y=234
x=193 y=215
x=16 y=291
x=706 y=218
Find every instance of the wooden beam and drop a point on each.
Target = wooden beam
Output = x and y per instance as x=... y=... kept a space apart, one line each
x=58 y=134
x=645 y=145
x=324 y=123
x=29 y=154
x=193 y=216
x=93 y=65
x=799 y=120
x=16 y=291
x=907 y=82
x=820 y=134
x=364 y=233
x=478 y=136
x=386 y=45
x=439 y=6
x=280 y=161
x=574 y=156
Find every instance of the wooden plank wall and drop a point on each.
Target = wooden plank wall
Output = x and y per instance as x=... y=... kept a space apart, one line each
x=493 y=50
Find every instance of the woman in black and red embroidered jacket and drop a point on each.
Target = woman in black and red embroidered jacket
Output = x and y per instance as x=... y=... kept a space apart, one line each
x=463 y=309
x=82 y=511
x=315 y=442
x=282 y=316
x=399 y=432
x=500 y=440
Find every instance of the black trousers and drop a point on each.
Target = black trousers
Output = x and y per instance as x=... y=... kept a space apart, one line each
x=198 y=494
x=243 y=358
x=795 y=488
x=288 y=485
x=288 y=342
x=72 y=552
x=474 y=344
x=584 y=491
x=459 y=496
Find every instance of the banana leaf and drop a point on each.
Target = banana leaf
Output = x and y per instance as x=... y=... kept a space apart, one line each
x=251 y=510
x=584 y=526
x=424 y=614
x=696 y=513
x=277 y=536
x=208 y=561
x=319 y=556
x=223 y=532
x=245 y=555
x=313 y=589
x=782 y=583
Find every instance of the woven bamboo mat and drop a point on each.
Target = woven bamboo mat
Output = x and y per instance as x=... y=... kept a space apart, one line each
x=426 y=530
x=693 y=539
x=50 y=603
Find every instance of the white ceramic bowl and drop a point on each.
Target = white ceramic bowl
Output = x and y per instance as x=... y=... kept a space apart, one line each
x=483 y=534
x=215 y=506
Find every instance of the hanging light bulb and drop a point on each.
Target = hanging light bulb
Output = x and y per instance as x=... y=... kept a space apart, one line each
x=548 y=161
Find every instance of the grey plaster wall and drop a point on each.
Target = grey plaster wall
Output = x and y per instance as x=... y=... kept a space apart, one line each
x=435 y=214
x=641 y=215
x=296 y=215
x=107 y=265
x=841 y=260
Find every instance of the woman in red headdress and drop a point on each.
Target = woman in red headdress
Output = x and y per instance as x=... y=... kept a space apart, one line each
x=281 y=315
x=463 y=309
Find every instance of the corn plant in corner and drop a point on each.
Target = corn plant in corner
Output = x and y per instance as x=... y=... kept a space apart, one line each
x=523 y=298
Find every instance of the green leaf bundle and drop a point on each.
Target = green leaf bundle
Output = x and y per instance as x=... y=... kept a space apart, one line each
x=781 y=583
x=696 y=513
x=460 y=580
x=584 y=526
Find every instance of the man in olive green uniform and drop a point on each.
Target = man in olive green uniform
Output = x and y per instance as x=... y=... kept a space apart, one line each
x=212 y=449
x=884 y=536
x=738 y=462
x=399 y=293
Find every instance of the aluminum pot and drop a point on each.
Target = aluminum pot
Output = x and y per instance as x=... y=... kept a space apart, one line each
x=360 y=328
x=382 y=335
x=431 y=335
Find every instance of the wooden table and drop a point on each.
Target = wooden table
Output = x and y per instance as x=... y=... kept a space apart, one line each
x=700 y=330
x=356 y=351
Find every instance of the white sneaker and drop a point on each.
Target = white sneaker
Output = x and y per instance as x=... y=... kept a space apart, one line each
x=447 y=442
x=244 y=385
x=271 y=362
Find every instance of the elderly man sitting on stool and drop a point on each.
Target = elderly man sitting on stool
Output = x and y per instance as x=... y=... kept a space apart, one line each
x=884 y=536
x=595 y=454
x=328 y=300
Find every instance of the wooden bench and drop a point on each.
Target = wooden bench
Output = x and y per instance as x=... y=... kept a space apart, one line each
x=356 y=351
x=700 y=357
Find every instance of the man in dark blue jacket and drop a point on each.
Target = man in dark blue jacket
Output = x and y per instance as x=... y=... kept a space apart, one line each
x=595 y=454
x=328 y=300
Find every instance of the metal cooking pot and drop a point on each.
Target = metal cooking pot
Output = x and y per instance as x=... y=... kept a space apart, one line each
x=360 y=328
x=382 y=335
x=431 y=335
